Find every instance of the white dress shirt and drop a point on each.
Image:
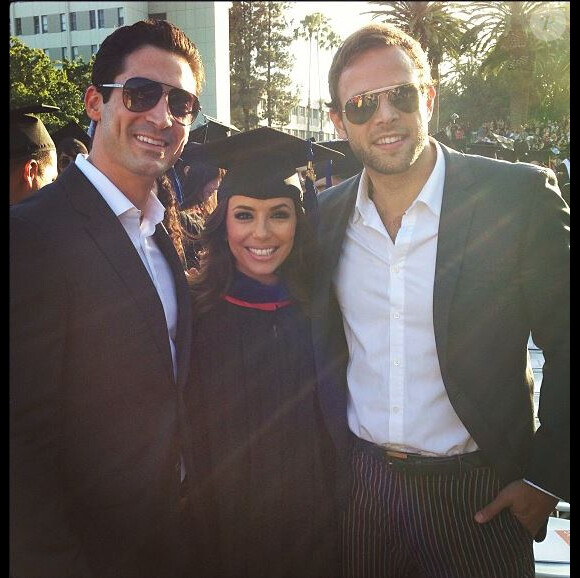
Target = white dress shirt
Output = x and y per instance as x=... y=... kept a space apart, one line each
x=385 y=290
x=140 y=226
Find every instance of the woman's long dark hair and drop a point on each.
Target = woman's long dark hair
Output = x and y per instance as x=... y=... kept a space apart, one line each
x=217 y=265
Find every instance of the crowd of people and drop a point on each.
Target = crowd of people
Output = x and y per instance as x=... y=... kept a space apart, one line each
x=546 y=143
x=310 y=394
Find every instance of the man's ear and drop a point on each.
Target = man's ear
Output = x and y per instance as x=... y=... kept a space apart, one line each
x=430 y=100
x=30 y=171
x=93 y=103
x=336 y=118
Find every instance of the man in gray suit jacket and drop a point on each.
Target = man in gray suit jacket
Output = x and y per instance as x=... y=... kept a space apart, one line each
x=100 y=331
x=440 y=265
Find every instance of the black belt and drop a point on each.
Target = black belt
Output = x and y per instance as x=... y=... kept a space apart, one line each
x=418 y=464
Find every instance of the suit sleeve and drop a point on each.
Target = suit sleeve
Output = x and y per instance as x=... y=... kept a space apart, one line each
x=42 y=543
x=546 y=281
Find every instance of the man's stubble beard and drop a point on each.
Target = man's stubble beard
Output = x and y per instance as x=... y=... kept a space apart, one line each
x=387 y=165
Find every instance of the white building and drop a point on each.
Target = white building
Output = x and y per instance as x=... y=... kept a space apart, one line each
x=299 y=126
x=68 y=30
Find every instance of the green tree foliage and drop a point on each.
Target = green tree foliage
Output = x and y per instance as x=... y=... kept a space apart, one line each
x=34 y=79
x=316 y=28
x=475 y=99
x=551 y=90
x=259 y=63
x=276 y=60
x=505 y=35
x=435 y=25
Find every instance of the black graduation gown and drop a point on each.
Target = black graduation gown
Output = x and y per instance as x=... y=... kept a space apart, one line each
x=263 y=456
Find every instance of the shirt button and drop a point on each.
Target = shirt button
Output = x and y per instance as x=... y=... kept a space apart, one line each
x=395 y=268
x=396 y=363
x=396 y=316
x=396 y=409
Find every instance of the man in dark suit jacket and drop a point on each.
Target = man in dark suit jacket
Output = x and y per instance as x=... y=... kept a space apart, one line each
x=100 y=332
x=440 y=265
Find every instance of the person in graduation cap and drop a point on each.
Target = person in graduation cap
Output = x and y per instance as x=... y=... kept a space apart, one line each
x=67 y=150
x=33 y=161
x=333 y=172
x=265 y=461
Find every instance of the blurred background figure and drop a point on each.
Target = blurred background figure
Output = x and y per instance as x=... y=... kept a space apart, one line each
x=212 y=129
x=199 y=180
x=71 y=130
x=332 y=172
x=563 y=173
x=195 y=181
x=67 y=150
x=198 y=177
x=33 y=162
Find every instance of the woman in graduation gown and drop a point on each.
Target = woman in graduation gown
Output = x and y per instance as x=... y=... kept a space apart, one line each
x=263 y=491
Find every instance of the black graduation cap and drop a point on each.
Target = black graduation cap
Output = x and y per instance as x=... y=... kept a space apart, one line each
x=72 y=130
x=213 y=129
x=199 y=173
x=484 y=149
x=344 y=167
x=262 y=163
x=28 y=133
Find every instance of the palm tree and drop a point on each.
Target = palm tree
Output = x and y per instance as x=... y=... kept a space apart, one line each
x=504 y=33
x=316 y=27
x=435 y=25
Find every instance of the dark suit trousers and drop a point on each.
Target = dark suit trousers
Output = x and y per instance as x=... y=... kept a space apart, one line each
x=408 y=525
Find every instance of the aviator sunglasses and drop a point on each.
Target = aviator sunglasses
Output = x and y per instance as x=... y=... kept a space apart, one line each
x=404 y=97
x=142 y=94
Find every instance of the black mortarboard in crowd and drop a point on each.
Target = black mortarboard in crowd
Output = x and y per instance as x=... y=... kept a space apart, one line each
x=484 y=149
x=262 y=163
x=344 y=167
x=213 y=129
x=200 y=173
x=28 y=134
x=72 y=130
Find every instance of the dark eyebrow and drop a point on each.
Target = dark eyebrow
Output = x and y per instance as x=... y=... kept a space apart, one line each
x=274 y=208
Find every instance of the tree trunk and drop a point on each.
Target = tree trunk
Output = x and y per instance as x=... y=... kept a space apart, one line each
x=520 y=98
x=435 y=118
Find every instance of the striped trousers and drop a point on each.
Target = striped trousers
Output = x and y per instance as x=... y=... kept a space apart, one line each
x=405 y=525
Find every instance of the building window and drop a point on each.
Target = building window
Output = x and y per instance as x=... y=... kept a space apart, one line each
x=44 y=23
x=92 y=19
x=73 y=20
x=120 y=16
x=64 y=53
x=47 y=52
x=36 y=25
x=63 y=22
x=75 y=52
x=18 y=25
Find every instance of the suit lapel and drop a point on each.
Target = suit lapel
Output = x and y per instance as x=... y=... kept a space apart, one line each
x=108 y=233
x=335 y=211
x=456 y=215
